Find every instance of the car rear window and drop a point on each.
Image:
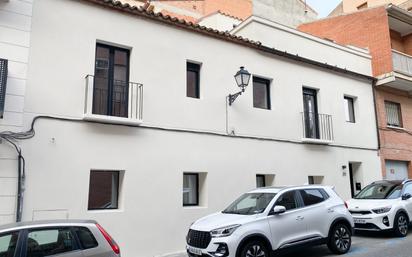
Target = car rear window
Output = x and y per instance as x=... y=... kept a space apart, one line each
x=86 y=238
x=312 y=196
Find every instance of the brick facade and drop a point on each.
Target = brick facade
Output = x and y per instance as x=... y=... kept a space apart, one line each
x=370 y=29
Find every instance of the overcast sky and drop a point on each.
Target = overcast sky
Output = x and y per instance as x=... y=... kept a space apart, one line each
x=323 y=7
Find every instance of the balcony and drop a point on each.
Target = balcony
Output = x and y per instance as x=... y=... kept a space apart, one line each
x=402 y=63
x=317 y=128
x=113 y=101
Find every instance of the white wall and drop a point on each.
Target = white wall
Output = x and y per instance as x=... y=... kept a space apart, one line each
x=219 y=21
x=283 y=38
x=15 y=26
x=61 y=155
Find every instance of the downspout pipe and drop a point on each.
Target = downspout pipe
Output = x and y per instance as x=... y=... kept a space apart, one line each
x=20 y=183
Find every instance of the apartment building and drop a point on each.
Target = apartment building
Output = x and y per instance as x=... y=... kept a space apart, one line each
x=385 y=31
x=347 y=6
x=136 y=119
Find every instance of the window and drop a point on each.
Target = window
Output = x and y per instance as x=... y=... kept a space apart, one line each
x=261 y=93
x=103 y=190
x=86 y=238
x=260 y=181
x=3 y=83
x=349 y=109
x=312 y=196
x=288 y=200
x=311 y=180
x=111 y=81
x=50 y=242
x=190 y=189
x=8 y=243
x=393 y=114
x=193 y=80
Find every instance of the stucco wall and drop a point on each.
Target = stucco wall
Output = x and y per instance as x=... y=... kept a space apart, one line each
x=15 y=26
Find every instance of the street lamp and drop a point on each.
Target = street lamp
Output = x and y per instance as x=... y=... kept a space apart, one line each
x=242 y=78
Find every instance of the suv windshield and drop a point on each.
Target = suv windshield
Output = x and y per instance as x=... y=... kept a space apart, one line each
x=250 y=203
x=380 y=191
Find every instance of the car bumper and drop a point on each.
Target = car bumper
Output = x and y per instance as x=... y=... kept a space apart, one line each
x=373 y=222
x=214 y=248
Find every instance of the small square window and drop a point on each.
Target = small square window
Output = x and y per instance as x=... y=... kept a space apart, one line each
x=190 y=189
x=261 y=93
x=393 y=114
x=349 y=109
x=193 y=80
x=103 y=190
x=260 y=181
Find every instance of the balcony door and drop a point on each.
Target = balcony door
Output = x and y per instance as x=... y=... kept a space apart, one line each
x=310 y=109
x=111 y=81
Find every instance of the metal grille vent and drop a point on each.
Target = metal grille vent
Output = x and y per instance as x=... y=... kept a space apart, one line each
x=199 y=239
x=3 y=83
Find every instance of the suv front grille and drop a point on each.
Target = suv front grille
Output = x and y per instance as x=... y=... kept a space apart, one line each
x=361 y=212
x=198 y=239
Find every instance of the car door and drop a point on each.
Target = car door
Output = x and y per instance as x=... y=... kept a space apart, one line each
x=53 y=242
x=317 y=212
x=289 y=227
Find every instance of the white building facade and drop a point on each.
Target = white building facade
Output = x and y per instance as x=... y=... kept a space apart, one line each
x=136 y=131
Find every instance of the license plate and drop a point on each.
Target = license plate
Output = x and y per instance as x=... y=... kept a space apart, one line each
x=359 y=221
x=193 y=250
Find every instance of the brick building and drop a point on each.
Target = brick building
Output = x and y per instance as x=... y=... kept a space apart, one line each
x=386 y=32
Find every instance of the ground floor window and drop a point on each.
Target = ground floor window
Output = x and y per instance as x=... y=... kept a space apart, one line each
x=315 y=180
x=190 y=189
x=260 y=181
x=103 y=190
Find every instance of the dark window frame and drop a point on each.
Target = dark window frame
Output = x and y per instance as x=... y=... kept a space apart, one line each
x=350 y=101
x=117 y=191
x=267 y=83
x=197 y=190
x=264 y=180
x=193 y=67
x=399 y=114
x=3 y=84
x=110 y=78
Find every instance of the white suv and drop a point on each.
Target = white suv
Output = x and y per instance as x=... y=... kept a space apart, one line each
x=268 y=220
x=383 y=205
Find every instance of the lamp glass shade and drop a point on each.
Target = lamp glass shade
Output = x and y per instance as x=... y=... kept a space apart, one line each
x=242 y=78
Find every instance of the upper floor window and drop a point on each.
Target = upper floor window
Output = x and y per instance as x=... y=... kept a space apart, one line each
x=3 y=83
x=261 y=93
x=393 y=114
x=349 y=109
x=103 y=190
x=111 y=81
x=193 y=80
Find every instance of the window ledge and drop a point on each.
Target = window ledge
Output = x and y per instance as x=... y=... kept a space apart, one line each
x=316 y=141
x=103 y=211
x=394 y=127
x=194 y=207
x=111 y=119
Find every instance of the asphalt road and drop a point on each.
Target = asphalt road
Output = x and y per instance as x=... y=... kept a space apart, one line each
x=366 y=245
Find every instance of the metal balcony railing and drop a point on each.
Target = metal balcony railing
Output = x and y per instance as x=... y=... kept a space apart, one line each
x=317 y=126
x=402 y=62
x=113 y=99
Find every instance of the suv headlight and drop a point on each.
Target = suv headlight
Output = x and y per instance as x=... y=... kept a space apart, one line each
x=225 y=231
x=382 y=210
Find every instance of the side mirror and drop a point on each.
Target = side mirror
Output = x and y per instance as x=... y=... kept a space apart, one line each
x=406 y=196
x=278 y=209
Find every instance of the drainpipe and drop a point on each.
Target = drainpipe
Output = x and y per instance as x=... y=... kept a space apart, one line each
x=376 y=114
x=20 y=182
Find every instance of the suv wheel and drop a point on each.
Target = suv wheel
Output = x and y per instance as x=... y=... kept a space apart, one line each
x=340 y=239
x=400 y=226
x=254 y=248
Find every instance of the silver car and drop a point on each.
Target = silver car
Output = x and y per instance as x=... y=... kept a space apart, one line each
x=65 y=238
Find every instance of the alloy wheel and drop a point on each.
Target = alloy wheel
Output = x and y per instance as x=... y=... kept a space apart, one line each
x=403 y=225
x=342 y=238
x=255 y=251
